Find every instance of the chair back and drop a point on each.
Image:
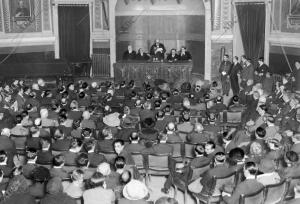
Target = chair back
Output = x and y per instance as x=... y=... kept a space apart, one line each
x=221 y=181
x=158 y=164
x=20 y=142
x=177 y=149
x=198 y=171
x=234 y=117
x=189 y=150
x=256 y=197
x=109 y=156
x=138 y=160
x=275 y=193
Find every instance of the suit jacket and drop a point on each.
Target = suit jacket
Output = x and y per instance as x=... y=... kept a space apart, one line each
x=95 y=159
x=185 y=56
x=225 y=67
x=8 y=145
x=207 y=177
x=129 y=56
x=246 y=187
x=105 y=146
x=128 y=158
x=133 y=147
x=172 y=58
x=162 y=149
x=195 y=137
x=61 y=145
x=27 y=169
x=59 y=172
x=174 y=137
x=44 y=157
x=247 y=72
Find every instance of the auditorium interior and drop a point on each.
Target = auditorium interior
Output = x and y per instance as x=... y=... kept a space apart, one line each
x=94 y=94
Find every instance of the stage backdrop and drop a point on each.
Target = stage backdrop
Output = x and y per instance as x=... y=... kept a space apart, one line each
x=173 y=30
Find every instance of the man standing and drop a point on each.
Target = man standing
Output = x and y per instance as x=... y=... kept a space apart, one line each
x=246 y=73
x=157 y=50
x=225 y=68
x=296 y=77
x=261 y=70
x=234 y=79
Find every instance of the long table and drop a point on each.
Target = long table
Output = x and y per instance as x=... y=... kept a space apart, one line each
x=149 y=71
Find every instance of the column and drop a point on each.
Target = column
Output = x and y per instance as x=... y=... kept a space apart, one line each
x=112 y=34
x=207 y=72
x=56 y=30
x=267 y=31
x=91 y=28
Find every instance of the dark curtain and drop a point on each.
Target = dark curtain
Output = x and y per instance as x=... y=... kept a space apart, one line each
x=251 y=17
x=105 y=15
x=74 y=32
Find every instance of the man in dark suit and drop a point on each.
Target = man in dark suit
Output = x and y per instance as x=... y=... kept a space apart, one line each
x=261 y=70
x=58 y=167
x=248 y=186
x=157 y=50
x=129 y=54
x=134 y=145
x=173 y=57
x=205 y=183
x=94 y=157
x=184 y=55
x=224 y=70
x=234 y=79
x=121 y=151
x=44 y=156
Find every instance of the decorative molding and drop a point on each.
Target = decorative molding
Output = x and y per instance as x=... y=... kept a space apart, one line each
x=72 y=1
x=38 y=15
x=98 y=21
x=46 y=15
x=1 y=24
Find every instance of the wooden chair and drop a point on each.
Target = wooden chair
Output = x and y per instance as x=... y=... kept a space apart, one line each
x=215 y=195
x=158 y=165
x=109 y=156
x=20 y=141
x=178 y=149
x=257 y=197
x=275 y=193
x=189 y=150
x=139 y=161
x=193 y=175
x=290 y=188
x=234 y=117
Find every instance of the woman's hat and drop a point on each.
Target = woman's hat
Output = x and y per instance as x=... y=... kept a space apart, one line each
x=135 y=190
x=112 y=120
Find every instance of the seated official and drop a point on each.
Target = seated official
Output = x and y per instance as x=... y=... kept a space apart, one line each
x=141 y=55
x=129 y=54
x=184 y=55
x=173 y=56
x=157 y=50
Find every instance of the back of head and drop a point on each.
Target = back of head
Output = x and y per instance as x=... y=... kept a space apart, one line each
x=120 y=162
x=54 y=186
x=260 y=132
x=82 y=160
x=58 y=160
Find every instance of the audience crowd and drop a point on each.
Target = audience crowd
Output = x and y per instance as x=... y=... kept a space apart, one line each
x=77 y=142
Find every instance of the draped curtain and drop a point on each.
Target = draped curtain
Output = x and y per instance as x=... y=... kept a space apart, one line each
x=251 y=17
x=105 y=15
x=74 y=32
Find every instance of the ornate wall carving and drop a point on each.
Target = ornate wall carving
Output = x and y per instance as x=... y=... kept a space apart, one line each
x=46 y=15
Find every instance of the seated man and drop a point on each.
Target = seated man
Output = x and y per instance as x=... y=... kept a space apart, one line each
x=58 y=167
x=157 y=50
x=198 y=135
x=31 y=155
x=121 y=151
x=172 y=57
x=248 y=186
x=44 y=156
x=83 y=163
x=184 y=55
x=19 y=130
x=205 y=183
x=129 y=54
x=94 y=157
x=134 y=145
x=74 y=188
x=112 y=178
x=269 y=176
